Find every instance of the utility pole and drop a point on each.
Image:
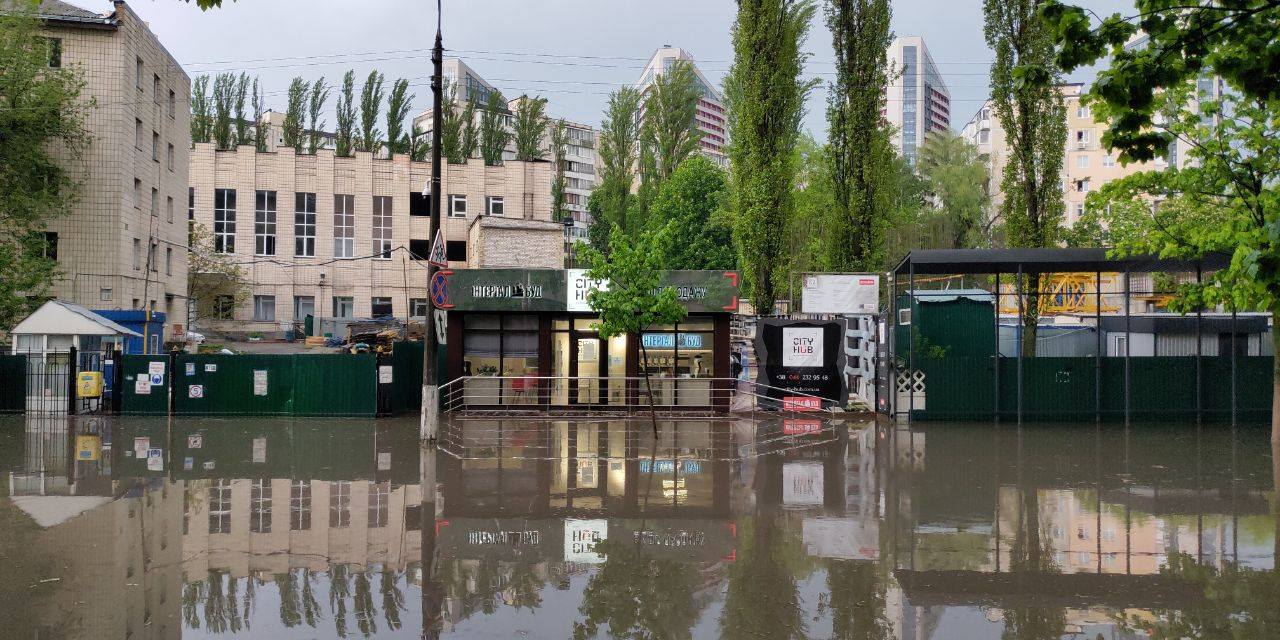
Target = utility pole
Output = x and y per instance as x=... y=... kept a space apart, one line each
x=430 y=427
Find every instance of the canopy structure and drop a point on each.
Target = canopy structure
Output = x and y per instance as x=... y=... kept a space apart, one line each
x=57 y=317
x=1047 y=260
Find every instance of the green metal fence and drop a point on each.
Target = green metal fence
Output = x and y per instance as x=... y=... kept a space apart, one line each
x=963 y=388
x=13 y=383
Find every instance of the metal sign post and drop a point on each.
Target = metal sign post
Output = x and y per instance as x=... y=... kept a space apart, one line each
x=429 y=428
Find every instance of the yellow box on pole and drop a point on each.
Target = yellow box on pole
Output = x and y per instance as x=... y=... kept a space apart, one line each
x=89 y=384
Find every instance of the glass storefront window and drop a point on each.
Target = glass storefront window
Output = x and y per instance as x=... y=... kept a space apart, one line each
x=505 y=346
x=679 y=362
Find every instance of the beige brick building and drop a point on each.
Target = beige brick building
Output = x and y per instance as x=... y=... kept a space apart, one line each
x=124 y=244
x=347 y=237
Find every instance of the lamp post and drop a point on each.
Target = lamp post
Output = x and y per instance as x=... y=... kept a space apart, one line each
x=430 y=425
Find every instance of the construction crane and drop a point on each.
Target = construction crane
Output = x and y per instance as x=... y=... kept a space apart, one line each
x=1065 y=293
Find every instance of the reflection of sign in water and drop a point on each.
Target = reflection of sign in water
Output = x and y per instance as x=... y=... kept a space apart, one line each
x=88 y=447
x=802 y=346
x=580 y=538
x=801 y=427
x=259 y=450
x=802 y=484
x=668 y=340
x=801 y=403
x=844 y=538
x=514 y=538
x=667 y=466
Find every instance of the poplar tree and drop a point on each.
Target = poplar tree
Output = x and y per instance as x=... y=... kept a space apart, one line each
x=559 y=138
x=619 y=137
x=344 y=138
x=240 y=118
x=470 y=133
x=315 y=105
x=1034 y=120
x=530 y=127
x=858 y=152
x=259 y=130
x=223 y=97
x=398 y=103
x=669 y=133
x=370 y=104
x=765 y=97
x=201 y=111
x=494 y=135
x=294 y=115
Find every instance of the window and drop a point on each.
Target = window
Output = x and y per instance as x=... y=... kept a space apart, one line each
x=1082 y=137
x=304 y=225
x=379 y=496
x=220 y=507
x=984 y=136
x=137 y=254
x=340 y=504
x=264 y=223
x=155 y=201
x=457 y=206
x=1082 y=186
x=343 y=306
x=1108 y=161
x=224 y=307
x=50 y=247
x=155 y=88
x=173 y=101
x=105 y=294
x=55 y=52
x=419 y=249
x=152 y=265
x=191 y=203
x=1082 y=111
x=168 y=261
x=380 y=307
x=500 y=345
x=168 y=208
x=382 y=227
x=455 y=250
x=137 y=193
x=303 y=306
x=260 y=506
x=300 y=505
x=264 y=308
x=418 y=307
x=224 y=220
x=493 y=205
x=1082 y=161
x=137 y=73
x=419 y=205
x=137 y=133
x=344 y=226
x=169 y=156
x=1079 y=211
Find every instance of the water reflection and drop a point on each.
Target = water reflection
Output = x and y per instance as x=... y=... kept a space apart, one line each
x=712 y=529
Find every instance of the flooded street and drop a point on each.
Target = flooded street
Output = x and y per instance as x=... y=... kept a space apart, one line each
x=524 y=528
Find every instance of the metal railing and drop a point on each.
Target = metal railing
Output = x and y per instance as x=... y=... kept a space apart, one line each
x=597 y=395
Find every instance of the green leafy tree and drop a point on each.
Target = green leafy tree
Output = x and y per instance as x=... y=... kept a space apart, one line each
x=637 y=596
x=600 y=230
x=690 y=211
x=398 y=103
x=559 y=140
x=259 y=130
x=765 y=95
x=344 y=137
x=201 y=110
x=804 y=242
x=224 y=90
x=42 y=136
x=494 y=134
x=452 y=127
x=240 y=117
x=1034 y=119
x=619 y=141
x=859 y=150
x=530 y=128
x=470 y=138
x=669 y=133
x=212 y=277
x=371 y=93
x=315 y=106
x=957 y=178
x=295 y=114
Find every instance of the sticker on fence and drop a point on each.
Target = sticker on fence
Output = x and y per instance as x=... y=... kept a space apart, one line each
x=155 y=367
x=384 y=374
x=211 y=368
x=142 y=386
x=155 y=460
x=195 y=391
x=191 y=368
x=157 y=379
x=195 y=441
x=259 y=450
x=259 y=382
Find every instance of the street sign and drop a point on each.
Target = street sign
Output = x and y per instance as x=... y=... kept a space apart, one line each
x=438 y=255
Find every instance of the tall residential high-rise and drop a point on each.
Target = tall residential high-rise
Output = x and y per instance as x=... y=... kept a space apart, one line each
x=123 y=246
x=917 y=100
x=710 y=116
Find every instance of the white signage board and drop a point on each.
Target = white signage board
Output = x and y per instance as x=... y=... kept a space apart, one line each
x=259 y=382
x=142 y=385
x=802 y=484
x=580 y=538
x=155 y=368
x=579 y=285
x=195 y=391
x=802 y=346
x=841 y=293
x=259 y=450
x=385 y=374
x=843 y=538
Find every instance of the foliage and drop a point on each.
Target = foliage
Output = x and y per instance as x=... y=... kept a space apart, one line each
x=315 y=105
x=530 y=127
x=452 y=128
x=494 y=134
x=1182 y=41
x=859 y=149
x=42 y=133
x=224 y=89
x=1034 y=119
x=601 y=228
x=211 y=275
x=637 y=596
x=765 y=95
x=470 y=138
x=1238 y=603
x=669 y=133
x=201 y=111
x=689 y=211
x=370 y=104
x=857 y=601
x=957 y=178
x=295 y=114
x=344 y=137
x=259 y=130
x=398 y=103
x=634 y=298
x=239 y=118
x=803 y=237
x=559 y=138
x=619 y=138
x=761 y=600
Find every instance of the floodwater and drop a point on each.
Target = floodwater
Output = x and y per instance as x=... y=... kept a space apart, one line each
x=263 y=528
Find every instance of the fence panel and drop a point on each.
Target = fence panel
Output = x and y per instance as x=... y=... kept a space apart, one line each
x=406 y=360
x=957 y=388
x=13 y=383
x=141 y=396
x=335 y=385
x=244 y=384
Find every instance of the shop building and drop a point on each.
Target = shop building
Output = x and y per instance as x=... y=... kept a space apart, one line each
x=526 y=338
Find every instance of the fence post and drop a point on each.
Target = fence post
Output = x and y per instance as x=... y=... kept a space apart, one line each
x=72 y=365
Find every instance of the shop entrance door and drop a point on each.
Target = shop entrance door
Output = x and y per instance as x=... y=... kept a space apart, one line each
x=588 y=358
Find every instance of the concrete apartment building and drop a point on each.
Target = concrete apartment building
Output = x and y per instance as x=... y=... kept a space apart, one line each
x=124 y=244
x=710 y=117
x=579 y=162
x=347 y=237
x=917 y=101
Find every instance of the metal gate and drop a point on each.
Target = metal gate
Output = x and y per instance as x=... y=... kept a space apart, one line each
x=51 y=381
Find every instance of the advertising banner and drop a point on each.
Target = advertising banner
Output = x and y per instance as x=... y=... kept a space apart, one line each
x=841 y=293
x=801 y=357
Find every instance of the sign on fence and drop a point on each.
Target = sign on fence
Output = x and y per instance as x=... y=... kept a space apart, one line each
x=841 y=293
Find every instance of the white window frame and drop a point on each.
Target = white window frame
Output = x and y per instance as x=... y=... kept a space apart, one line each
x=490 y=203
x=344 y=225
x=1082 y=161
x=382 y=224
x=1108 y=160
x=455 y=211
x=304 y=224
x=349 y=302
x=264 y=223
x=260 y=306
x=224 y=220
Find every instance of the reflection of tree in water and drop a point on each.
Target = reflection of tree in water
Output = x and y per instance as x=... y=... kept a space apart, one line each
x=1239 y=603
x=761 y=601
x=365 y=611
x=857 y=601
x=525 y=587
x=1031 y=555
x=637 y=596
x=339 y=591
x=475 y=586
x=392 y=598
x=221 y=613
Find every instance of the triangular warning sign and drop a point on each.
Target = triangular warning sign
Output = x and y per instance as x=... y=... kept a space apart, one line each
x=438 y=255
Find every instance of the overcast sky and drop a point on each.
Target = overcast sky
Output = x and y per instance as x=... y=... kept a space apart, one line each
x=573 y=52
